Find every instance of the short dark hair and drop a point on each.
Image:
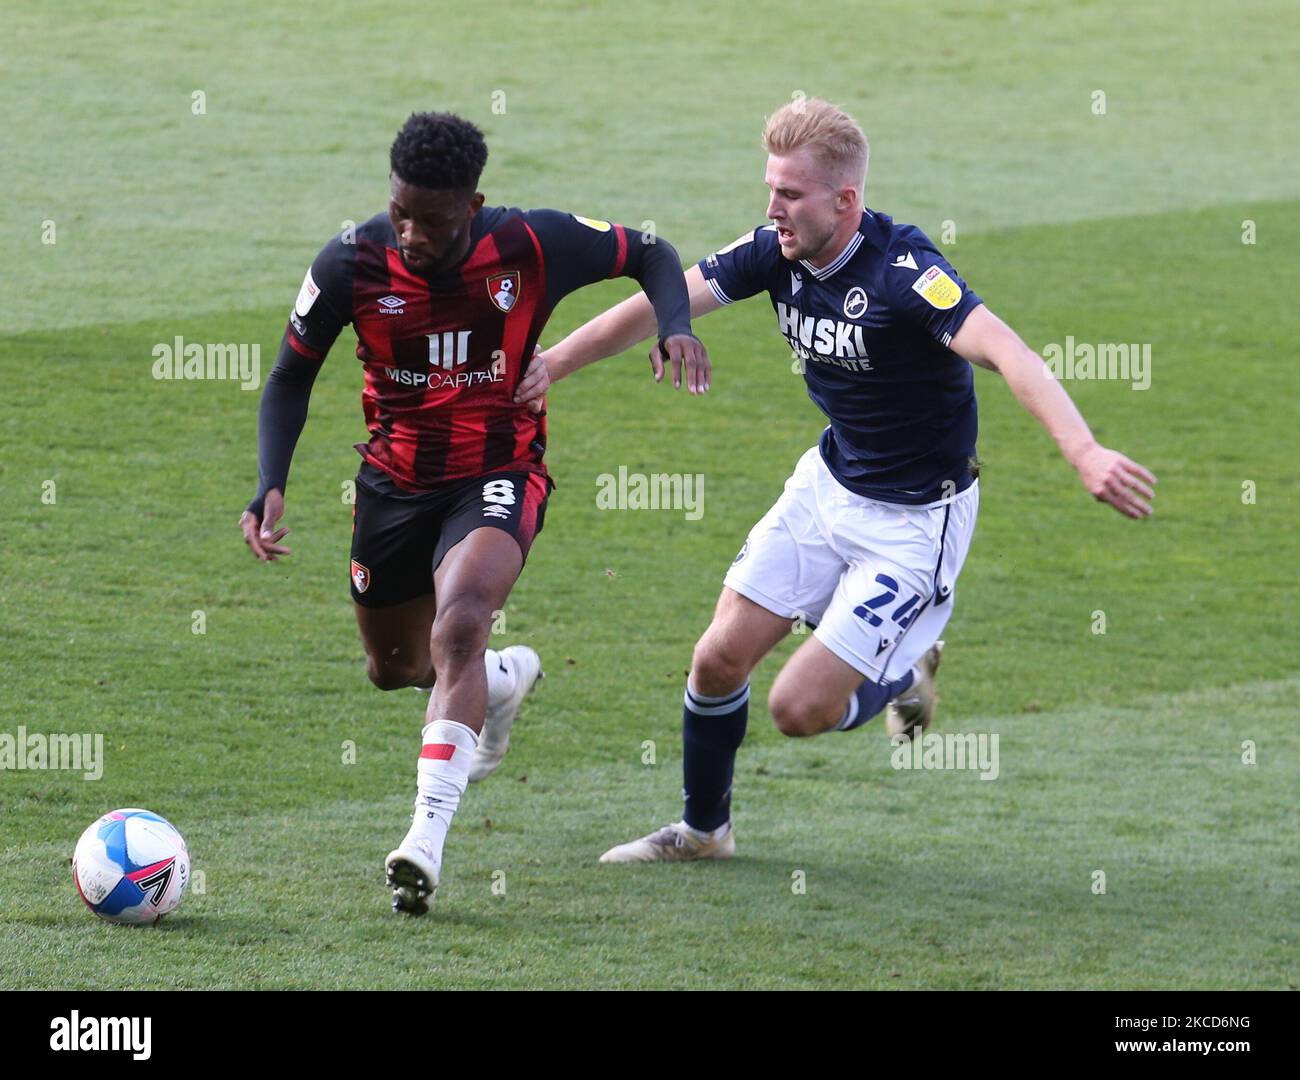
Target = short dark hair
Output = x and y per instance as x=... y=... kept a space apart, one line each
x=439 y=151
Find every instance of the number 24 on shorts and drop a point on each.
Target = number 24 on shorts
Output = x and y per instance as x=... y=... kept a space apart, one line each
x=903 y=614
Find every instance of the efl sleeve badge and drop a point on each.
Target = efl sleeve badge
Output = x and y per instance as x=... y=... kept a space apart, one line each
x=937 y=289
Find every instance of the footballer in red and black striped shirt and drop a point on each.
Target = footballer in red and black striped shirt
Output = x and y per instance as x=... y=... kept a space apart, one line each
x=448 y=298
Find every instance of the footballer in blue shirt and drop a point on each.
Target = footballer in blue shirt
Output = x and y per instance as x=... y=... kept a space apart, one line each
x=867 y=540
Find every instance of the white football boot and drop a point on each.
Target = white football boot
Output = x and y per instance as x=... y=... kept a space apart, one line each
x=673 y=843
x=494 y=740
x=413 y=876
x=915 y=706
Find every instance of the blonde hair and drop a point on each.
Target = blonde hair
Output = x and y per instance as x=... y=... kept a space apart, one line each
x=830 y=134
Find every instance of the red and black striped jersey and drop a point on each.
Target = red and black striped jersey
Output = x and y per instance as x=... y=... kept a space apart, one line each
x=443 y=354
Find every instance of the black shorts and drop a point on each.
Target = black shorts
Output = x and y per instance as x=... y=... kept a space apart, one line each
x=399 y=537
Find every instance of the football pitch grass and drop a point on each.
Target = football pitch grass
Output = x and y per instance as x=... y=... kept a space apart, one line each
x=290 y=776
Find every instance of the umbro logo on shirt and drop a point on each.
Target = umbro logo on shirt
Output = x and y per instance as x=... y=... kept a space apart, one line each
x=391 y=305
x=905 y=261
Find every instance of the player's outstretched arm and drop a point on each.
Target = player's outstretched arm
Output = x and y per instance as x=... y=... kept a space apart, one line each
x=1109 y=476
x=280 y=419
x=321 y=310
x=627 y=324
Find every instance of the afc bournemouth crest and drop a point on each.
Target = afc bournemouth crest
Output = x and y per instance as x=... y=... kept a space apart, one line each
x=504 y=289
x=360 y=576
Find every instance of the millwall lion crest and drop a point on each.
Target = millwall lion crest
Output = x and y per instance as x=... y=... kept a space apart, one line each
x=504 y=289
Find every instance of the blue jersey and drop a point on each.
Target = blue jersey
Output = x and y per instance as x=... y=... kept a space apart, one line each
x=873 y=330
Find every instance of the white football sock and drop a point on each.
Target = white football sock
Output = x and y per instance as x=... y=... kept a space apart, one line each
x=501 y=677
x=443 y=776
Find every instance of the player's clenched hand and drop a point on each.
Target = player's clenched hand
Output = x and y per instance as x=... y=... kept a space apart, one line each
x=682 y=349
x=261 y=536
x=1112 y=478
x=532 y=390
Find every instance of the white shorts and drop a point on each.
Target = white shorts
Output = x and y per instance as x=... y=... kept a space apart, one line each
x=877 y=580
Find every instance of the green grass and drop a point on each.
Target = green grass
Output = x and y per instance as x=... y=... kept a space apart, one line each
x=1119 y=752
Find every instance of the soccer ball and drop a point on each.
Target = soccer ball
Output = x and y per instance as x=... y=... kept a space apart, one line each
x=131 y=866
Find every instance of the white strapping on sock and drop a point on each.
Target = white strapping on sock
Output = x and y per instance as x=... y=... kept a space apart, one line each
x=703 y=705
x=501 y=677
x=850 y=713
x=709 y=834
x=443 y=776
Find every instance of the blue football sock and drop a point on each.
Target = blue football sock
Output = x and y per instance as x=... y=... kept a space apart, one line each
x=869 y=698
x=712 y=730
